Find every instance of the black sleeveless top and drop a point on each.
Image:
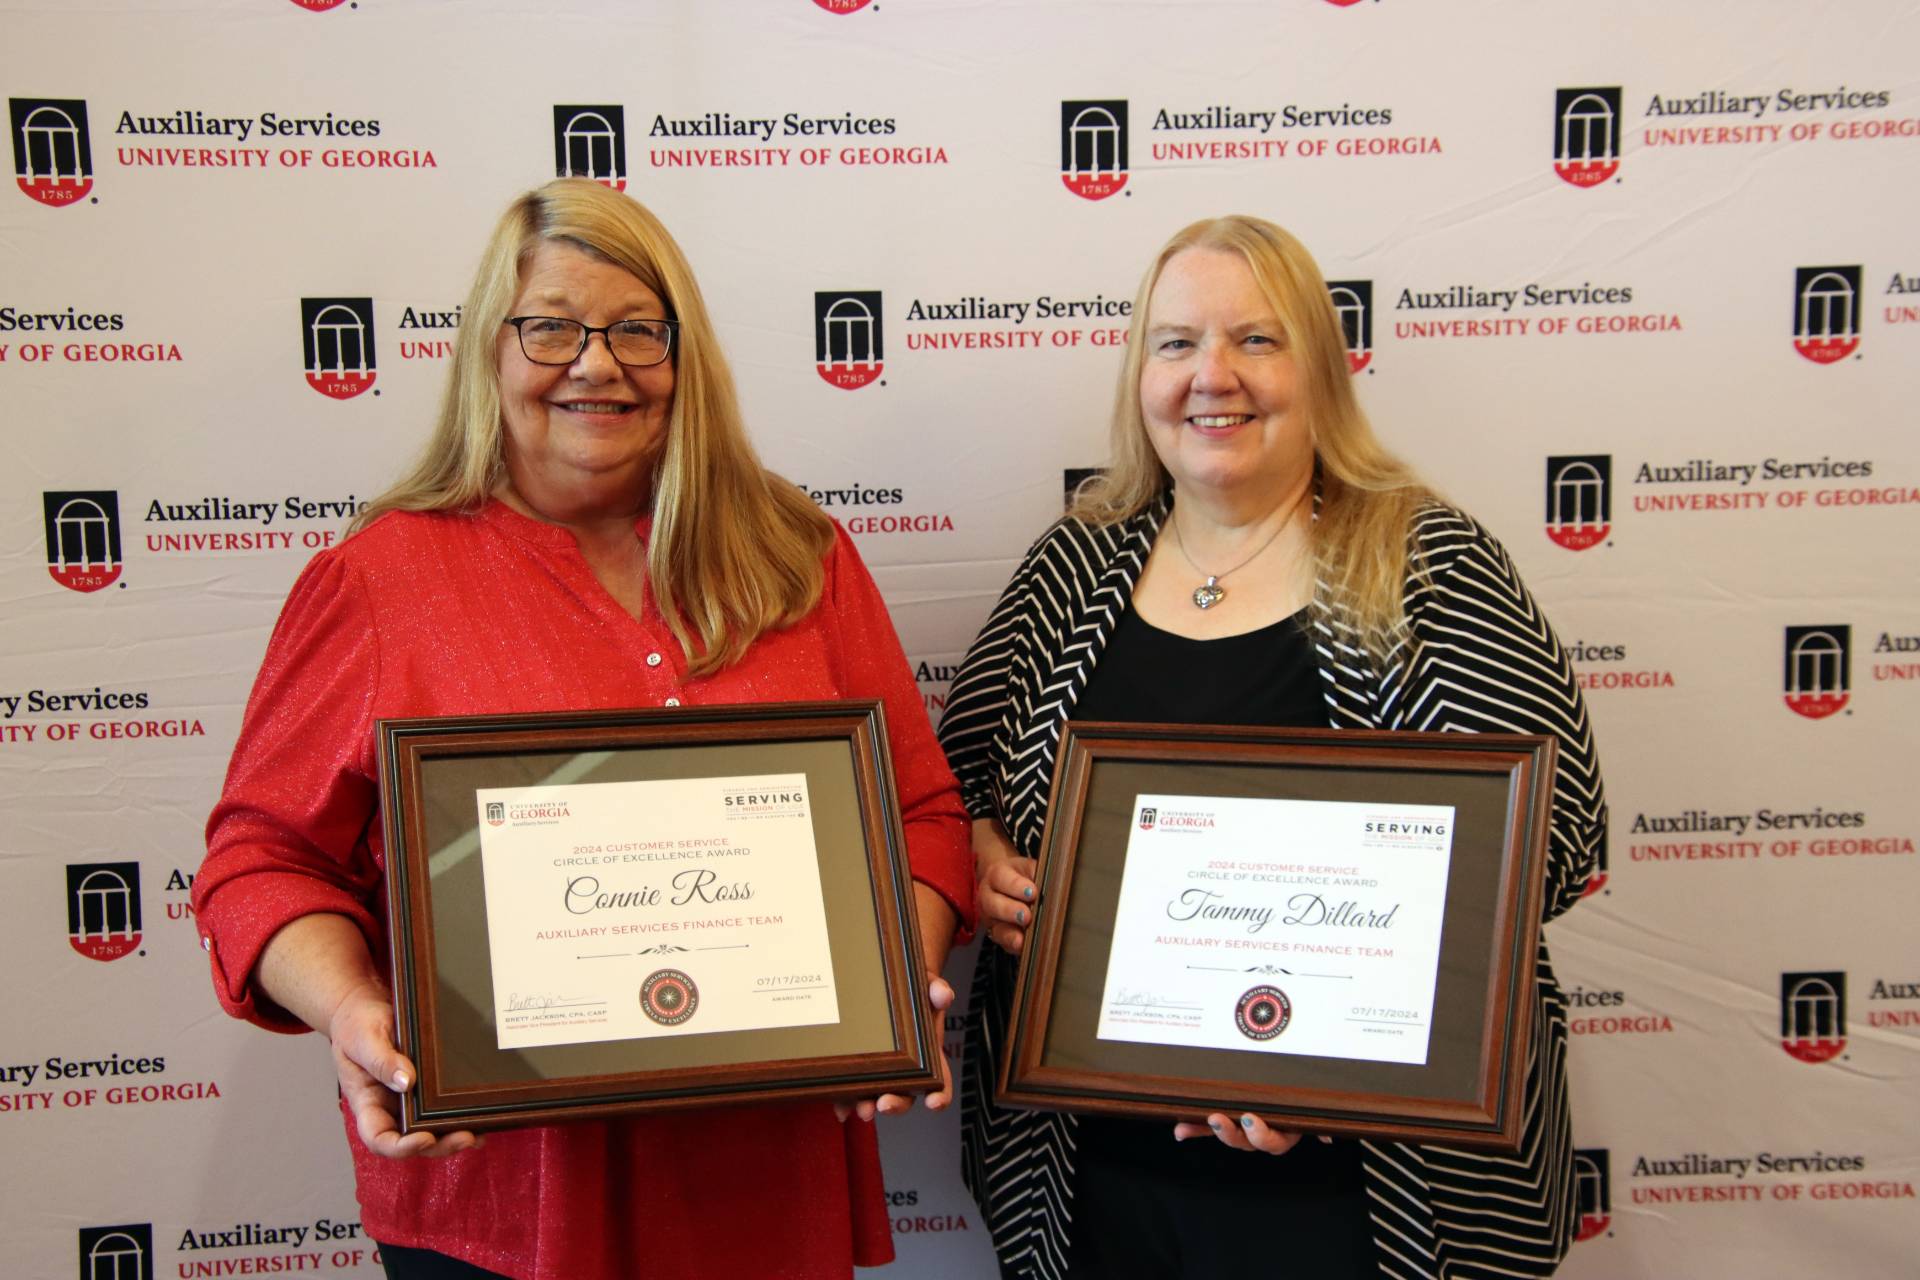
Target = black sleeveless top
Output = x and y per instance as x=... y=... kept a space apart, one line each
x=1265 y=677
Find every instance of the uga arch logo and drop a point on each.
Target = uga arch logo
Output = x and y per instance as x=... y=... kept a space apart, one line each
x=1598 y=880
x=1586 y=135
x=1093 y=147
x=1813 y=1015
x=1819 y=675
x=83 y=537
x=1579 y=499
x=336 y=340
x=52 y=150
x=1593 y=1190
x=103 y=908
x=123 y=1252
x=848 y=347
x=1353 y=304
x=591 y=142
x=1826 y=312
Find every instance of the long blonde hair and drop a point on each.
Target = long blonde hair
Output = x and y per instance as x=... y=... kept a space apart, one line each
x=735 y=550
x=1368 y=497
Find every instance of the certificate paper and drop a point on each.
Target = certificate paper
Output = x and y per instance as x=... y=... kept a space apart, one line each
x=1279 y=926
x=624 y=910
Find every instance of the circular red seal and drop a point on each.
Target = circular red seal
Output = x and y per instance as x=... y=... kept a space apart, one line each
x=1263 y=1013
x=669 y=997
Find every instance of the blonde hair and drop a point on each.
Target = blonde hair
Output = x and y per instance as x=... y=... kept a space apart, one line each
x=735 y=551
x=1368 y=497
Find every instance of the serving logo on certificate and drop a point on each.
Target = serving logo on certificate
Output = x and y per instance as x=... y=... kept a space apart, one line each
x=622 y=910
x=1279 y=926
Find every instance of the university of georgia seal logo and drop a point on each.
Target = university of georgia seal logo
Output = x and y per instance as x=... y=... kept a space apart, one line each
x=669 y=997
x=1813 y=1015
x=848 y=351
x=336 y=344
x=1093 y=147
x=1353 y=304
x=496 y=813
x=1263 y=1013
x=52 y=149
x=1826 y=312
x=1580 y=499
x=1590 y=1186
x=1818 y=673
x=1147 y=815
x=83 y=537
x=1586 y=135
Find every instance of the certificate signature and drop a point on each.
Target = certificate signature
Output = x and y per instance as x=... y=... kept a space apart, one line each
x=1279 y=926
x=624 y=910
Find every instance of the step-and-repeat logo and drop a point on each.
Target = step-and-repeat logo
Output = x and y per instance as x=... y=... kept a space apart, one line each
x=336 y=338
x=1826 y=312
x=1073 y=478
x=52 y=151
x=1353 y=303
x=1819 y=670
x=1586 y=135
x=591 y=142
x=319 y=6
x=847 y=343
x=843 y=6
x=1579 y=499
x=83 y=537
x=124 y=1252
x=1813 y=1015
x=1093 y=147
x=1593 y=1189
x=103 y=908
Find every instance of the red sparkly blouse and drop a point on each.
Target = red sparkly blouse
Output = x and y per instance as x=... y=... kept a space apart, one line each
x=449 y=614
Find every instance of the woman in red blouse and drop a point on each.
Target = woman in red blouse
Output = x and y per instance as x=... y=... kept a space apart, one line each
x=587 y=528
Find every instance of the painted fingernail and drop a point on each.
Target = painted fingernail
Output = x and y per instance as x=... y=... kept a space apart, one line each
x=1022 y=916
x=1215 y=1124
x=1029 y=893
x=1246 y=1122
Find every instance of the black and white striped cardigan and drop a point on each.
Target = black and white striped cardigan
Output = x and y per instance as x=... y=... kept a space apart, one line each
x=1486 y=661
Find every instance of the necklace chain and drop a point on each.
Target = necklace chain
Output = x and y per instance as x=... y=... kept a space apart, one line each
x=1210 y=592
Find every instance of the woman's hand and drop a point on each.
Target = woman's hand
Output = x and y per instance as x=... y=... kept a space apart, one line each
x=1248 y=1133
x=1007 y=895
x=940 y=997
x=317 y=969
x=937 y=920
x=372 y=1072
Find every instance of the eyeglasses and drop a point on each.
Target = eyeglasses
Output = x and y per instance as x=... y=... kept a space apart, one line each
x=557 y=340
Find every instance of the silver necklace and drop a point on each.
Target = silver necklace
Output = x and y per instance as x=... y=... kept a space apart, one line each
x=1210 y=592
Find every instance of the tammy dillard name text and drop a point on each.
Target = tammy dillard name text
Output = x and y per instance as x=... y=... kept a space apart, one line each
x=695 y=885
x=1306 y=909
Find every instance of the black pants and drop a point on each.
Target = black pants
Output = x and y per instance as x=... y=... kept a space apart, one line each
x=424 y=1264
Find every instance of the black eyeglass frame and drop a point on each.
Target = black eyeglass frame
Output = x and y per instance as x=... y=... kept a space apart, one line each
x=586 y=335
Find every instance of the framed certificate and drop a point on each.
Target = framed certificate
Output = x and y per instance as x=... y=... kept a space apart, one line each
x=1333 y=929
x=608 y=912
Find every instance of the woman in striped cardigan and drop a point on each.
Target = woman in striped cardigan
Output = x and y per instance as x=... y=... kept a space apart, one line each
x=1253 y=555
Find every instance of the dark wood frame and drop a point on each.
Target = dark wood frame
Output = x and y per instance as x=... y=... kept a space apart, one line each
x=910 y=1066
x=1484 y=1114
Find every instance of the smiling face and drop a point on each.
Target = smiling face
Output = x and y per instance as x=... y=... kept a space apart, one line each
x=1218 y=385
x=582 y=440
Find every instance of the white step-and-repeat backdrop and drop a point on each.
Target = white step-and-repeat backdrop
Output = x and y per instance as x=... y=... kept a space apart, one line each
x=1637 y=284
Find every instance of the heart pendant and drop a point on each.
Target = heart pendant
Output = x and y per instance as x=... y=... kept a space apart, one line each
x=1208 y=594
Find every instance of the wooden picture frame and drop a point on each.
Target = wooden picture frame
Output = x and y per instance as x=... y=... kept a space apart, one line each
x=448 y=1015
x=1466 y=1089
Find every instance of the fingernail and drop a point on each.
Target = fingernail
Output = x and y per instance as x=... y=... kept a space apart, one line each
x=1246 y=1122
x=1029 y=892
x=1215 y=1124
x=400 y=1080
x=1022 y=916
